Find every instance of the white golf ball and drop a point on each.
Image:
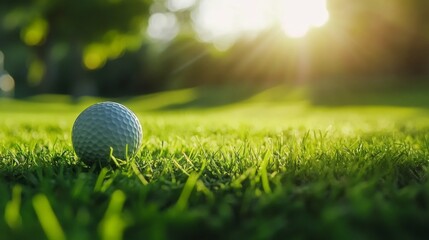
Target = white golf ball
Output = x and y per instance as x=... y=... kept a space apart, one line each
x=103 y=126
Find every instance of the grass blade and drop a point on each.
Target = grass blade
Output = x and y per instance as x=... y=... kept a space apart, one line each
x=263 y=172
x=47 y=218
x=138 y=173
x=100 y=179
x=112 y=225
x=12 y=215
x=182 y=203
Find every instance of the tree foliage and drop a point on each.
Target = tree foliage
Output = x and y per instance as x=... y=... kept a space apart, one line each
x=86 y=31
x=69 y=46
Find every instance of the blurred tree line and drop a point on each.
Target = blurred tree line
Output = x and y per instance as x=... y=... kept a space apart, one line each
x=100 y=47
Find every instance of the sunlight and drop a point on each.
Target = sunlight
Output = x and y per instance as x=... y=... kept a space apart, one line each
x=222 y=21
x=225 y=20
x=298 y=17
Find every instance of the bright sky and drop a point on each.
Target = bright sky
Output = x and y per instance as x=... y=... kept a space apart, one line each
x=222 y=21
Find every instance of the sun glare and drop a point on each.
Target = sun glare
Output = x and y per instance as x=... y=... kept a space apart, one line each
x=225 y=20
x=298 y=17
x=221 y=21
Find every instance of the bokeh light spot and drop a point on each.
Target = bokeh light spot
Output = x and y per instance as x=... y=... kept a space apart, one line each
x=7 y=83
x=36 y=71
x=178 y=5
x=163 y=26
x=94 y=56
x=35 y=33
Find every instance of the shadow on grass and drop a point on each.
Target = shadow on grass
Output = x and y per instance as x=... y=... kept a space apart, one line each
x=358 y=95
x=328 y=95
x=208 y=97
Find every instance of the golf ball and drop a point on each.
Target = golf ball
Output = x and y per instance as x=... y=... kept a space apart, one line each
x=105 y=126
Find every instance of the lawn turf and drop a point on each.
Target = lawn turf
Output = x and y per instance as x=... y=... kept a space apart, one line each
x=260 y=166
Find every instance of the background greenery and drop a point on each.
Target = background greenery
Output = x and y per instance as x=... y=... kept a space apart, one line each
x=101 y=48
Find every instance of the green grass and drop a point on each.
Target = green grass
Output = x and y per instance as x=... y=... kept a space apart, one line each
x=257 y=166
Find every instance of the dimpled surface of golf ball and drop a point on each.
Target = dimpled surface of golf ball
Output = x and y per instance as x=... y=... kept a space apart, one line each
x=103 y=126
